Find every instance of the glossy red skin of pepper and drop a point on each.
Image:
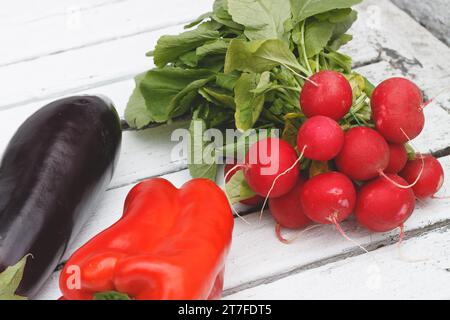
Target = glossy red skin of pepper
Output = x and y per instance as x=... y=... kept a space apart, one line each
x=170 y=244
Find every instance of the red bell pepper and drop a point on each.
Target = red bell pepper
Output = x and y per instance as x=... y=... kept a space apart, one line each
x=170 y=244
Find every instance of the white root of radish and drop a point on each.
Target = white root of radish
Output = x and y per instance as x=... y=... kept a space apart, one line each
x=440 y=198
x=418 y=177
x=436 y=197
x=333 y=219
x=296 y=237
x=426 y=104
x=276 y=180
x=228 y=198
x=402 y=235
x=412 y=184
x=401 y=254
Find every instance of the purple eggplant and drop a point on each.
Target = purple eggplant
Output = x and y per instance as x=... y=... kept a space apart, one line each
x=52 y=173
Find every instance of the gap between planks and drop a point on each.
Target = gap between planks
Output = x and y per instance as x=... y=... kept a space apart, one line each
x=419 y=269
x=355 y=252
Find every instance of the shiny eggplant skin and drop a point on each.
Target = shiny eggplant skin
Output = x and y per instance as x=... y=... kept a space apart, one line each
x=52 y=173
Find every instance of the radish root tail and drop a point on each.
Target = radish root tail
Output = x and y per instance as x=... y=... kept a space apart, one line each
x=418 y=177
x=227 y=175
x=439 y=198
x=434 y=98
x=276 y=180
x=401 y=253
x=333 y=219
x=401 y=236
x=294 y=238
x=408 y=186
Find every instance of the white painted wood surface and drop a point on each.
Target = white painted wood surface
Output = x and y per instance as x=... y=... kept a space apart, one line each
x=417 y=270
x=46 y=55
x=75 y=24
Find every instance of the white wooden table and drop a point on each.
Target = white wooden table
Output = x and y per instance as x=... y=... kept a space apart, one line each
x=54 y=48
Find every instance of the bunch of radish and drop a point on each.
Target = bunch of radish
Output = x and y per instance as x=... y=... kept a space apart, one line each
x=370 y=173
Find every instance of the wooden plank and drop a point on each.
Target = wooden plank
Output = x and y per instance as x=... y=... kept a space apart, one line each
x=19 y=12
x=104 y=63
x=82 y=25
x=361 y=51
x=73 y=71
x=48 y=28
x=433 y=14
x=256 y=256
x=115 y=60
x=147 y=154
x=419 y=270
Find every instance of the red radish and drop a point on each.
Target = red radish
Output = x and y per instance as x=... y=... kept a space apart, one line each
x=328 y=198
x=328 y=93
x=398 y=158
x=397 y=105
x=322 y=138
x=365 y=154
x=431 y=179
x=270 y=167
x=230 y=171
x=287 y=210
x=382 y=206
